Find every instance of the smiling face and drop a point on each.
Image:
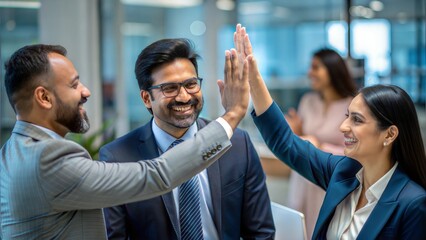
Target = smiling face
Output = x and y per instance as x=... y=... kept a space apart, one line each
x=363 y=139
x=174 y=114
x=318 y=74
x=69 y=96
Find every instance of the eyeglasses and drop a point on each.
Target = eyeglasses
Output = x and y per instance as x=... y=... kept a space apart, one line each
x=192 y=86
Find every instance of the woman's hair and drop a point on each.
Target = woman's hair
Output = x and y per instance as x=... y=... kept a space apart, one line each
x=391 y=105
x=340 y=77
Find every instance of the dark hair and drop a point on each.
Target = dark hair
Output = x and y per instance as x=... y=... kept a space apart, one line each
x=391 y=105
x=340 y=77
x=160 y=52
x=23 y=69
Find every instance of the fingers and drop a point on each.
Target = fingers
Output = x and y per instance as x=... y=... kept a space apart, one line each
x=252 y=61
x=236 y=37
x=240 y=39
x=228 y=65
x=245 y=78
x=247 y=45
x=235 y=65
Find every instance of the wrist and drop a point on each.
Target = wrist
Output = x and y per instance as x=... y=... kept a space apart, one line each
x=232 y=118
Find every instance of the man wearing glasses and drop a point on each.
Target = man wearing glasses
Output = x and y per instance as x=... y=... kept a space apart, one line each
x=228 y=200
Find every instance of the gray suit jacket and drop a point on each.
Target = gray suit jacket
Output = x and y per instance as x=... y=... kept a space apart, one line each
x=52 y=189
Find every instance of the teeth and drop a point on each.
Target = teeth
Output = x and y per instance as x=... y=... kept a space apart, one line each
x=351 y=140
x=181 y=109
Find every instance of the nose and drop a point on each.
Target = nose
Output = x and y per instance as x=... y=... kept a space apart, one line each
x=183 y=95
x=85 y=92
x=344 y=127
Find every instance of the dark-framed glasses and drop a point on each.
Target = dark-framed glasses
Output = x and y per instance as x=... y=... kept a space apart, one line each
x=192 y=86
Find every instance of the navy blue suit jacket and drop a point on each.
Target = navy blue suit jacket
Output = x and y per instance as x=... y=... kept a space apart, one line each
x=237 y=183
x=401 y=210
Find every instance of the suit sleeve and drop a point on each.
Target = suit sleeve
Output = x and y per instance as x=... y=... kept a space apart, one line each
x=115 y=217
x=71 y=180
x=300 y=155
x=256 y=218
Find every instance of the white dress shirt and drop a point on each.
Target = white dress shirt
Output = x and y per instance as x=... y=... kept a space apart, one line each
x=347 y=223
x=164 y=140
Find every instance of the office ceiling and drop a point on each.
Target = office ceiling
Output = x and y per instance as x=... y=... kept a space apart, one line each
x=289 y=11
x=268 y=11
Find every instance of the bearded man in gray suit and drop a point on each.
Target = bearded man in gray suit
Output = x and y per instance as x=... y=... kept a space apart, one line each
x=50 y=187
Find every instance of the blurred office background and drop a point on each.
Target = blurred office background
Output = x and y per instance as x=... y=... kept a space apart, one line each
x=384 y=41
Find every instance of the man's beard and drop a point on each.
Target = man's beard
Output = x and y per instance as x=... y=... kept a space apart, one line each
x=71 y=118
x=186 y=122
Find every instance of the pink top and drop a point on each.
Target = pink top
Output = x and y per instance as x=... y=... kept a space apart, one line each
x=324 y=125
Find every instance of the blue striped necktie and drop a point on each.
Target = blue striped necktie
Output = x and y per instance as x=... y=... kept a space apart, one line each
x=189 y=207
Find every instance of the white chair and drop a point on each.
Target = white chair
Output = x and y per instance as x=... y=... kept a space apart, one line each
x=289 y=223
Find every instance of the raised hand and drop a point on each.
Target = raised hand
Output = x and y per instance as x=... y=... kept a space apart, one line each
x=258 y=90
x=234 y=90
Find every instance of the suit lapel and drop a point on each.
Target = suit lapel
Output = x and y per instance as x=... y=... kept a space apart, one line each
x=148 y=149
x=336 y=193
x=385 y=206
x=213 y=173
x=169 y=204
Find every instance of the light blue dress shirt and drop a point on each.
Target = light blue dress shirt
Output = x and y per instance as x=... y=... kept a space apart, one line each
x=164 y=140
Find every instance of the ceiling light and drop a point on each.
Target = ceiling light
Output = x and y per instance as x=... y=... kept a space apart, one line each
x=250 y=8
x=281 y=12
x=361 y=11
x=19 y=4
x=164 y=3
x=136 y=29
x=226 y=5
x=376 y=5
x=197 y=28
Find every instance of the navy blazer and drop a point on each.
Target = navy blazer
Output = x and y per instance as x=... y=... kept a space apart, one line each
x=401 y=210
x=237 y=183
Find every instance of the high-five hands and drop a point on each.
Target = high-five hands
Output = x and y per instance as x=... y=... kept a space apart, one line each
x=259 y=92
x=234 y=90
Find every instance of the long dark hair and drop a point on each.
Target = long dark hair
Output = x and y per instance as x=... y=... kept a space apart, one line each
x=391 y=105
x=340 y=77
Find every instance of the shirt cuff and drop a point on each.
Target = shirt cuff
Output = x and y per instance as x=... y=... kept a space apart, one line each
x=226 y=126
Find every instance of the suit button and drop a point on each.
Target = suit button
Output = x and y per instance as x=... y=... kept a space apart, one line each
x=205 y=157
x=219 y=147
x=209 y=154
x=213 y=151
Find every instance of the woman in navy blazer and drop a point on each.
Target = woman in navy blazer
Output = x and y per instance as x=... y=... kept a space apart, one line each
x=375 y=191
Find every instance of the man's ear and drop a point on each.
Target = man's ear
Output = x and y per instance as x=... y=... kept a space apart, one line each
x=391 y=134
x=146 y=98
x=43 y=97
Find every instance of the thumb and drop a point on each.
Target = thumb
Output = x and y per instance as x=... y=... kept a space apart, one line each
x=252 y=61
x=221 y=86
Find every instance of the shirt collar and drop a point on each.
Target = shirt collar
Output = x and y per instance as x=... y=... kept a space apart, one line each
x=164 y=139
x=48 y=131
x=375 y=191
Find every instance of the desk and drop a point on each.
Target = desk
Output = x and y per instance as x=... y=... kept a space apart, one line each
x=277 y=174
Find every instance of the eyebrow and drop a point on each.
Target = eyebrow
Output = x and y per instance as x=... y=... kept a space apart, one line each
x=76 y=78
x=357 y=114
